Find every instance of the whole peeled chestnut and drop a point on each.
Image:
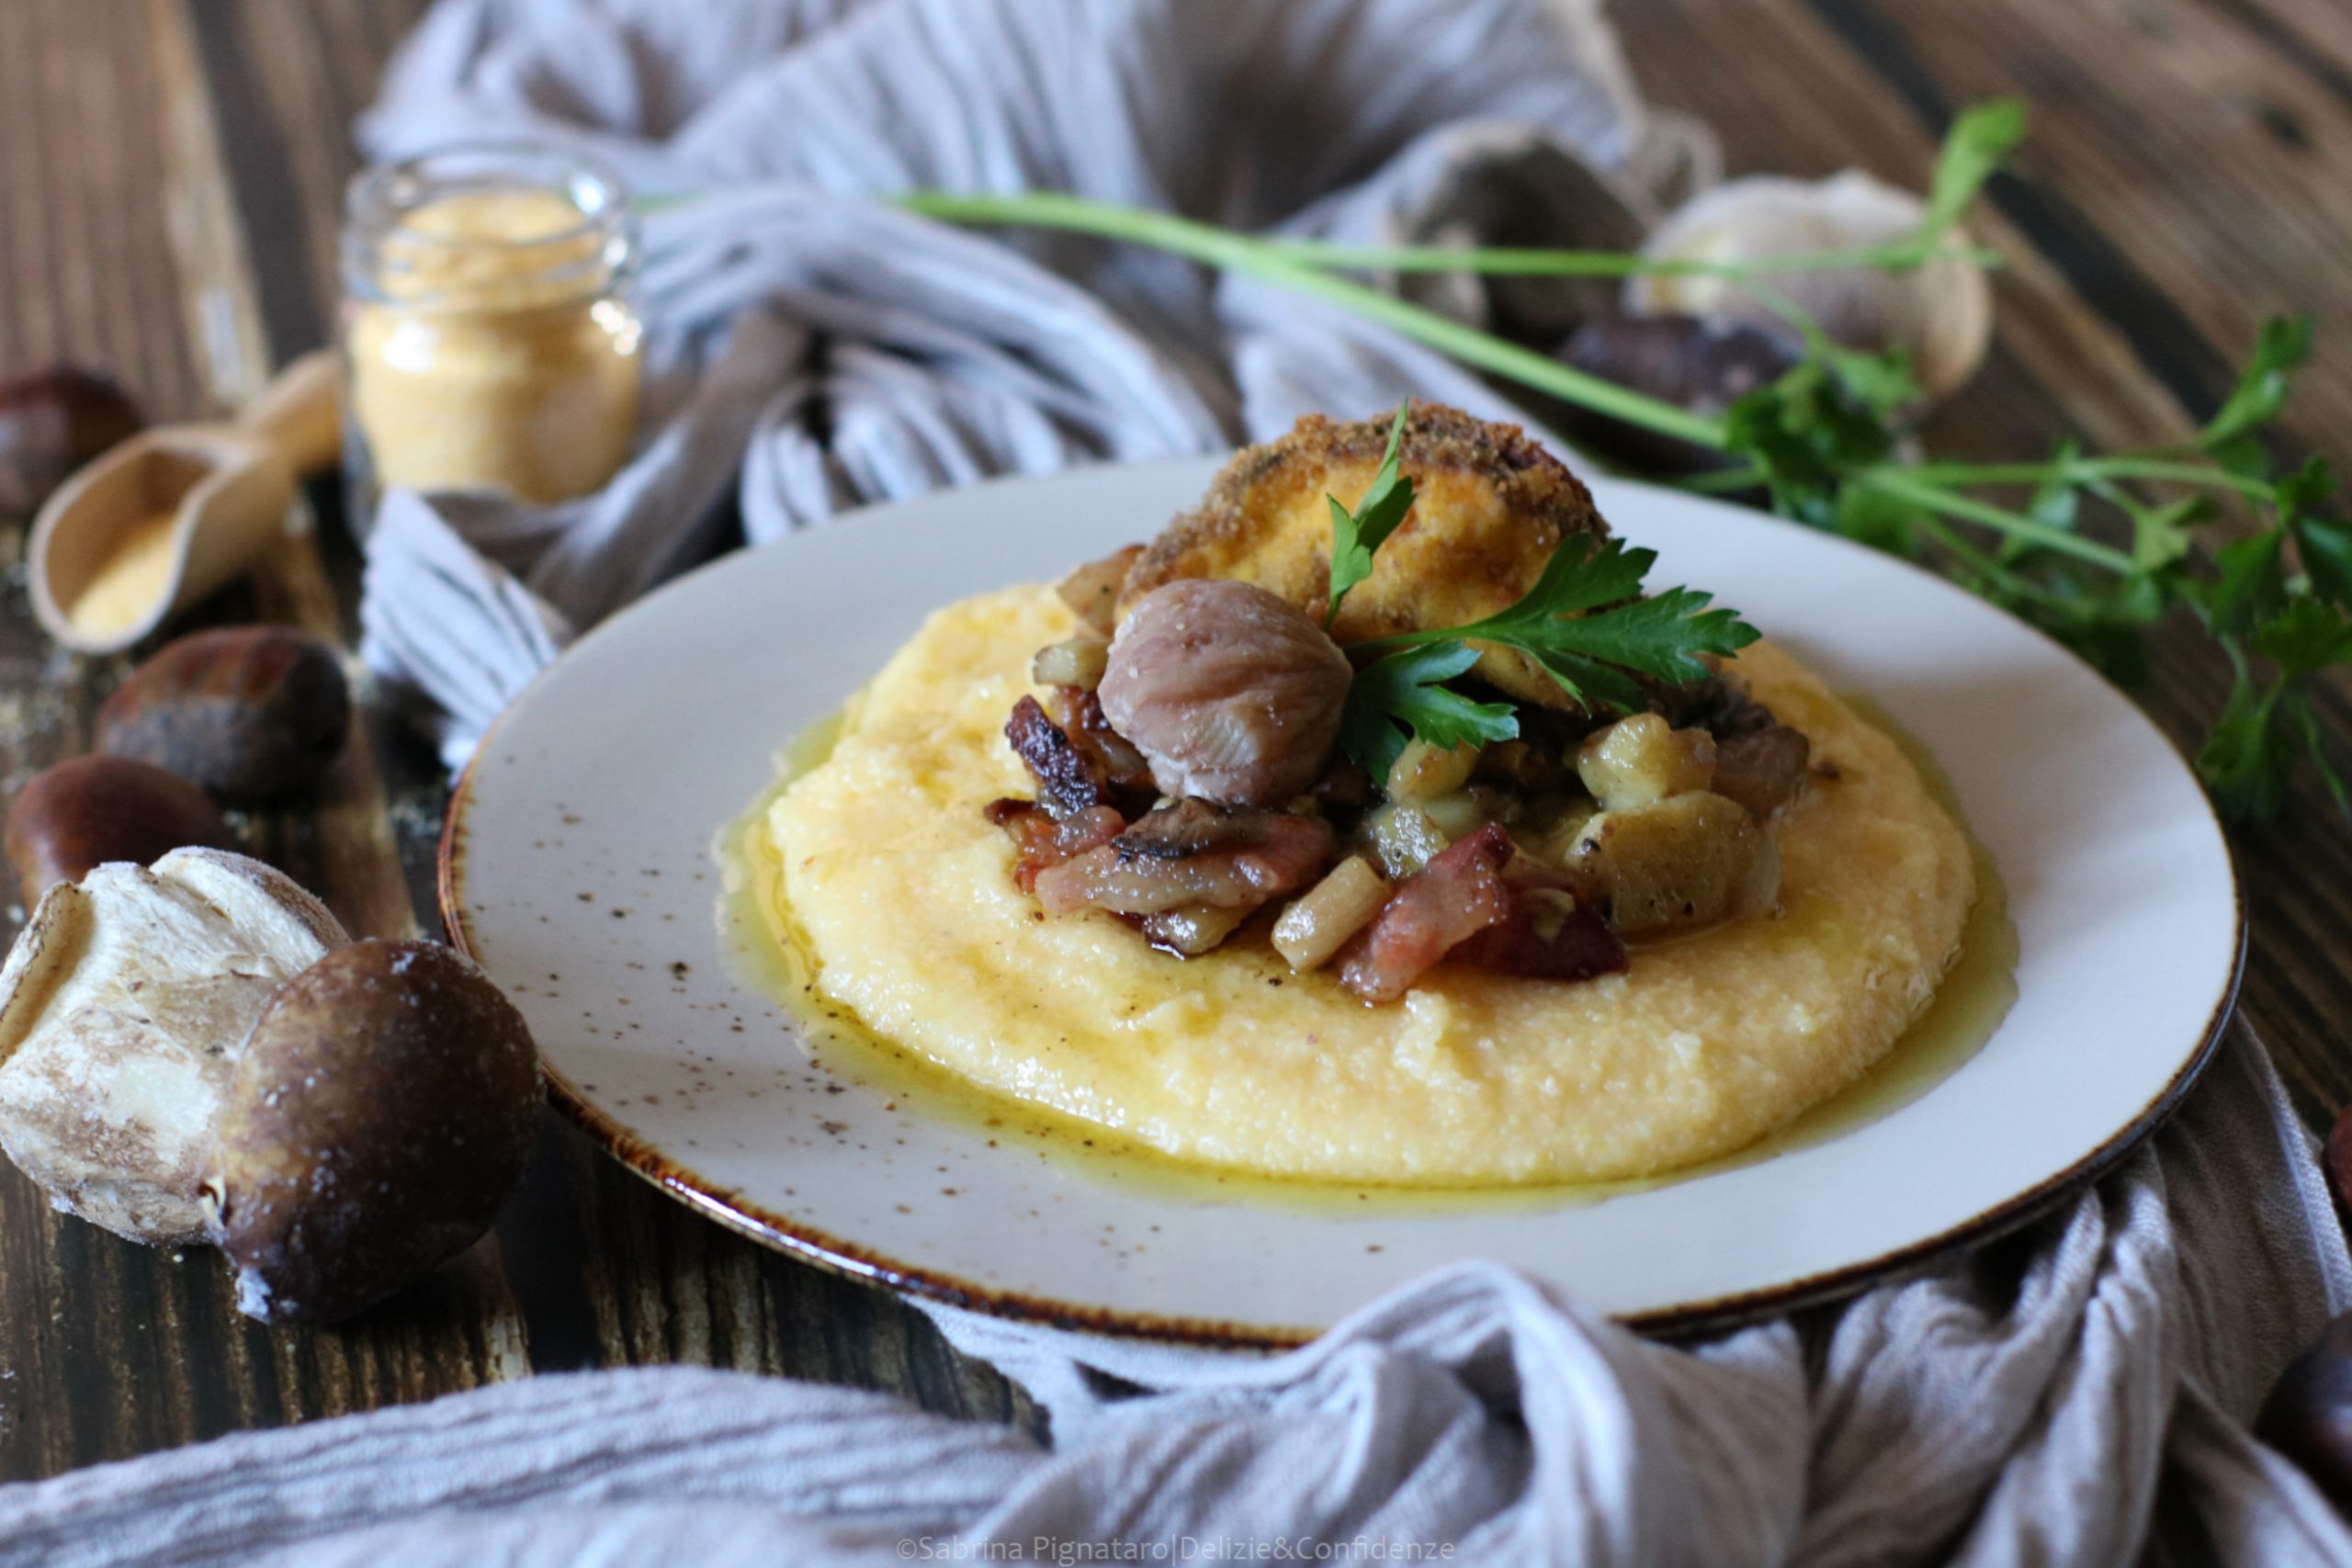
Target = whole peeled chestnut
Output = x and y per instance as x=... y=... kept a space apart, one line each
x=2308 y=1415
x=246 y=713
x=86 y=811
x=383 y=1104
x=52 y=421
x=1231 y=692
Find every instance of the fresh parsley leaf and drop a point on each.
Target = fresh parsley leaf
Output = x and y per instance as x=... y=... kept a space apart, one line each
x=1583 y=574
x=1805 y=430
x=2305 y=638
x=1586 y=648
x=2105 y=622
x=2249 y=586
x=1356 y=535
x=2306 y=488
x=1661 y=637
x=2266 y=731
x=1874 y=518
x=1403 y=696
x=2160 y=534
x=2324 y=542
x=2264 y=734
x=1882 y=382
x=1563 y=625
x=2304 y=721
x=2284 y=342
x=2243 y=456
x=2246 y=758
x=1584 y=622
x=1981 y=139
x=2326 y=545
x=2057 y=501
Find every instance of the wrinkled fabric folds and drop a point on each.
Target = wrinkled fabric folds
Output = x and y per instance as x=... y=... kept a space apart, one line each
x=2075 y=1392
x=811 y=348
x=2046 y=1398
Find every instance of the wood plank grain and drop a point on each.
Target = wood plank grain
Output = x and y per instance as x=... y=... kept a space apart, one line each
x=462 y=1328
x=2143 y=239
x=2147 y=143
x=1814 y=87
x=86 y=1321
x=111 y=1349
x=606 y=1270
x=2165 y=125
x=2313 y=37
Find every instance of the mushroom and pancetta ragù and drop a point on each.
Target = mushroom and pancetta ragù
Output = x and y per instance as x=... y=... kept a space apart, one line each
x=1473 y=743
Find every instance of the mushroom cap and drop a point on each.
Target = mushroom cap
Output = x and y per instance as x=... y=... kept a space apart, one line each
x=1942 y=313
x=385 y=1101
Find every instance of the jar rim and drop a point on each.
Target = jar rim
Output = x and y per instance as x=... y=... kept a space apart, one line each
x=381 y=198
x=595 y=253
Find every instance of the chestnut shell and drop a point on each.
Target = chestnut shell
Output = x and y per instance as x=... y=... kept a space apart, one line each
x=86 y=811
x=52 y=421
x=247 y=714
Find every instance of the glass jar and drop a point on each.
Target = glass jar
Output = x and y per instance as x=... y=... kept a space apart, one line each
x=487 y=335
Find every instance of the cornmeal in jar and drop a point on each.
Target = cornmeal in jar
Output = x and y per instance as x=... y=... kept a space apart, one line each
x=489 y=347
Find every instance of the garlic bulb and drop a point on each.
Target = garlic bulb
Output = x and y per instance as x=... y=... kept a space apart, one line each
x=1942 y=313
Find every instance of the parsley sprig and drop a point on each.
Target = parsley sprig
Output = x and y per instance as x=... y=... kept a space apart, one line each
x=1405 y=694
x=1356 y=535
x=1584 y=622
x=2096 y=549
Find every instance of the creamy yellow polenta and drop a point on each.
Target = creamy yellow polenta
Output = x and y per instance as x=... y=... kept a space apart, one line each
x=901 y=892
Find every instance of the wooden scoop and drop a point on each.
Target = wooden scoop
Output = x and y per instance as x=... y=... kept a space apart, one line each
x=172 y=514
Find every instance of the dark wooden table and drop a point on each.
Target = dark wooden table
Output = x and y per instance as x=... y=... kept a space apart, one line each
x=170 y=173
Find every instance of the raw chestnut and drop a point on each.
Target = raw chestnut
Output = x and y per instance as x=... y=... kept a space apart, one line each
x=246 y=713
x=52 y=421
x=1231 y=692
x=384 y=1104
x=2308 y=1415
x=86 y=811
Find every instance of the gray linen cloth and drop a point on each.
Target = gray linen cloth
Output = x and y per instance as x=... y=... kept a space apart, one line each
x=810 y=351
x=2074 y=1393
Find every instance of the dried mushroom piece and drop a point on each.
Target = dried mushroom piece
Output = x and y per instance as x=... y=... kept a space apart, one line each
x=1941 y=313
x=124 y=1007
x=1677 y=864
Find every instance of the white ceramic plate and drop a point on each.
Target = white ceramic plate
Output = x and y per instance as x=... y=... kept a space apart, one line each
x=577 y=869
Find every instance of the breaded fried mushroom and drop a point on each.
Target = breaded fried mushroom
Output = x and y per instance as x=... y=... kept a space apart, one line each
x=1490 y=505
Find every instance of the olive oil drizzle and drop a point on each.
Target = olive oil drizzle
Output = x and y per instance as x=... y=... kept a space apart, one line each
x=772 y=954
